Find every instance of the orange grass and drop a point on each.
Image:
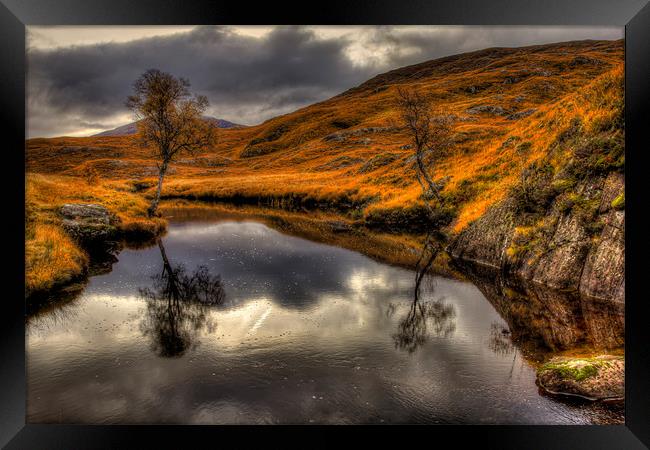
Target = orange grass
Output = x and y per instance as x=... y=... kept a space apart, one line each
x=560 y=81
x=52 y=258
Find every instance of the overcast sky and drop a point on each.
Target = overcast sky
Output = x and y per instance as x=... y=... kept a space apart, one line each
x=79 y=77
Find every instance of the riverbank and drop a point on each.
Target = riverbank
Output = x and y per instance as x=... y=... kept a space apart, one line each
x=53 y=256
x=569 y=338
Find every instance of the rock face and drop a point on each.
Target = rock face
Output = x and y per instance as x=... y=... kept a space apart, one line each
x=569 y=252
x=89 y=223
x=599 y=378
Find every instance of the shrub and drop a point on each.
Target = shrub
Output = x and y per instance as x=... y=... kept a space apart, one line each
x=92 y=176
x=535 y=192
x=593 y=155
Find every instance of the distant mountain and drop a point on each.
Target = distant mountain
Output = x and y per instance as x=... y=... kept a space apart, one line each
x=131 y=128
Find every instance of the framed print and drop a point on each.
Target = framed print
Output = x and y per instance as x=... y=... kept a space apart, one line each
x=408 y=214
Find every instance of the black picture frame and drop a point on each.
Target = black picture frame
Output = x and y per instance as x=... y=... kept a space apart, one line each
x=16 y=14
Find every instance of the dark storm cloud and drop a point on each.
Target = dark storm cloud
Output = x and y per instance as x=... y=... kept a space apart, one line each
x=246 y=79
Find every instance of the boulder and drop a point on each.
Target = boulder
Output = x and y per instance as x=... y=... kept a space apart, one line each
x=598 y=378
x=341 y=136
x=521 y=114
x=488 y=109
x=89 y=223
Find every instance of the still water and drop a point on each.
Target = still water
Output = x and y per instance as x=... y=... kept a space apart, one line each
x=227 y=321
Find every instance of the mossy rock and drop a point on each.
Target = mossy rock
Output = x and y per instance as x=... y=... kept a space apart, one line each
x=598 y=378
x=89 y=223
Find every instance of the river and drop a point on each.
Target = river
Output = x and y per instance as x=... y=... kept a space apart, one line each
x=231 y=321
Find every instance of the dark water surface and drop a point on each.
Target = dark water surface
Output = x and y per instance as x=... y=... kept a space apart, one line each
x=234 y=322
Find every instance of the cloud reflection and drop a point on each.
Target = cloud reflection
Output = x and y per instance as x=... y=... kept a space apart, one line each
x=326 y=356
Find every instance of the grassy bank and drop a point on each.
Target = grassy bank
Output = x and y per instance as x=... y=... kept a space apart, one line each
x=52 y=258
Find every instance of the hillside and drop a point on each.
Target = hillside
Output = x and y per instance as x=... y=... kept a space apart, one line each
x=513 y=110
x=349 y=149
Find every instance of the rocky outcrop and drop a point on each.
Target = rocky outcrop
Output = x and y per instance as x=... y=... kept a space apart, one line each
x=563 y=248
x=377 y=161
x=599 y=378
x=485 y=242
x=604 y=270
x=339 y=163
x=89 y=223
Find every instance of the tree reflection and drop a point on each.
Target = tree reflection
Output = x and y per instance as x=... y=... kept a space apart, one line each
x=500 y=341
x=425 y=318
x=177 y=306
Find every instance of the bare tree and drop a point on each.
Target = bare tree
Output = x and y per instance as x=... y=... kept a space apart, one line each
x=177 y=306
x=428 y=317
x=429 y=133
x=169 y=120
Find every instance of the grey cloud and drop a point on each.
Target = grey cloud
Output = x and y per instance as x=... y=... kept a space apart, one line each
x=409 y=45
x=247 y=79
x=256 y=78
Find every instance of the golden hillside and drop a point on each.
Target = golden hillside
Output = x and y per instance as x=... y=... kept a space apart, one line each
x=349 y=152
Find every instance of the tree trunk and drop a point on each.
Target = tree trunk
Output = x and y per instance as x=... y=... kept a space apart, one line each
x=154 y=203
x=433 y=188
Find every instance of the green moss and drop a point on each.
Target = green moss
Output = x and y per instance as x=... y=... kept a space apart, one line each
x=563 y=184
x=573 y=370
x=619 y=202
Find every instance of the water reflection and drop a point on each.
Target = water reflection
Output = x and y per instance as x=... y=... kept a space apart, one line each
x=42 y=314
x=542 y=319
x=303 y=337
x=176 y=306
x=500 y=339
x=424 y=317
